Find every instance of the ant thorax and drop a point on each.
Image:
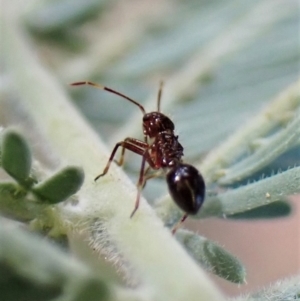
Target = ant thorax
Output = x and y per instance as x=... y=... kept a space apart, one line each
x=165 y=150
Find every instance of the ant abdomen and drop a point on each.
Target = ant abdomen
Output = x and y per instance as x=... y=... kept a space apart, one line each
x=187 y=187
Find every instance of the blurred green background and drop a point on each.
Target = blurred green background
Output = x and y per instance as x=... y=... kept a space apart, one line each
x=221 y=62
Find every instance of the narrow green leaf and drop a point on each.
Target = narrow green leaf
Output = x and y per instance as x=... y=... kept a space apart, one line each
x=273 y=210
x=255 y=144
x=16 y=156
x=273 y=147
x=212 y=256
x=253 y=195
x=61 y=185
x=237 y=200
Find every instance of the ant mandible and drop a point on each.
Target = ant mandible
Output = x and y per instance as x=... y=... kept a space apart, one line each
x=162 y=151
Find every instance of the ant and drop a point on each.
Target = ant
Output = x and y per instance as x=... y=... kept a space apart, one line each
x=162 y=151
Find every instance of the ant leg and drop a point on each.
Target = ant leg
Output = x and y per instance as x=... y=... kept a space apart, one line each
x=151 y=176
x=145 y=176
x=109 y=161
x=133 y=141
x=179 y=223
x=139 y=185
x=121 y=160
x=137 y=147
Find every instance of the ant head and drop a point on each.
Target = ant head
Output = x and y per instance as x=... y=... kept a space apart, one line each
x=156 y=122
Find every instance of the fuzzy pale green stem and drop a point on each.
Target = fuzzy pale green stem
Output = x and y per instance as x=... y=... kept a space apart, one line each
x=282 y=290
x=159 y=260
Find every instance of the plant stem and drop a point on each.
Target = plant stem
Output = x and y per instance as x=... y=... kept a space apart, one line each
x=159 y=260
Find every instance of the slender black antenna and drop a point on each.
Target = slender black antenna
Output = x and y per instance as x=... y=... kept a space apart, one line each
x=111 y=91
x=161 y=83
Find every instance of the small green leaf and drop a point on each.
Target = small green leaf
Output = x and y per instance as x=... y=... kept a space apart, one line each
x=223 y=263
x=212 y=257
x=16 y=157
x=61 y=185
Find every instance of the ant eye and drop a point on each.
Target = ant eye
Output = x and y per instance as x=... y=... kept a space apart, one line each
x=187 y=187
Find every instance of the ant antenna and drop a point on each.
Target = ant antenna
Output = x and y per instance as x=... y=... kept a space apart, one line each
x=161 y=83
x=111 y=91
